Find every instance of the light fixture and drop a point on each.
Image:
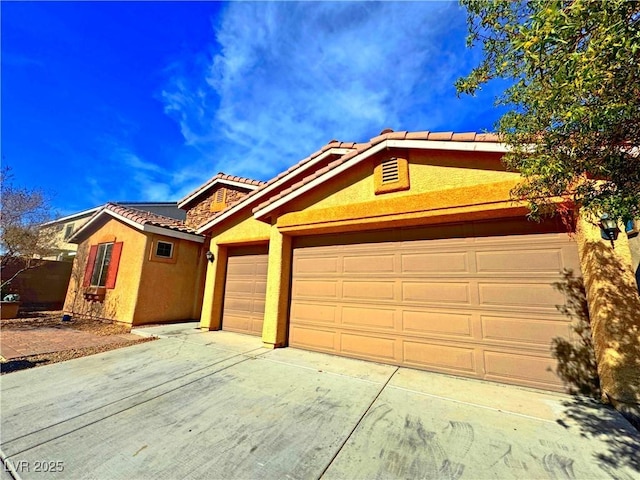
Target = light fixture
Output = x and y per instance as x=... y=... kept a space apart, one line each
x=210 y=256
x=608 y=228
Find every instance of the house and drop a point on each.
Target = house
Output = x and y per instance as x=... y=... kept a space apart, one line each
x=408 y=250
x=62 y=228
x=136 y=266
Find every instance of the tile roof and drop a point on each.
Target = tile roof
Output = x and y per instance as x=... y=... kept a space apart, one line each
x=147 y=218
x=220 y=176
x=332 y=144
x=386 y=134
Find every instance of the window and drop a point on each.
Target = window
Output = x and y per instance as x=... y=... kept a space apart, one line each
x=101 y=269
x=68 y=230
x=101 y=266
x=164 y=249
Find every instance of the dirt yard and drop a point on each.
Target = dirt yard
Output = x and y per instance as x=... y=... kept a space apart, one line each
x=53 y=319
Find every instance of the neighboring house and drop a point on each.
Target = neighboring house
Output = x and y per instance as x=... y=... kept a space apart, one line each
x=139 y=267
x=408 y=250
x=62 y=228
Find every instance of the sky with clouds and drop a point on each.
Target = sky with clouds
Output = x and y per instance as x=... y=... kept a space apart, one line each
x=137 y=101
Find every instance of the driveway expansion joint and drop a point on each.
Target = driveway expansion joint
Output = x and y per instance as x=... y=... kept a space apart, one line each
x=364 y=414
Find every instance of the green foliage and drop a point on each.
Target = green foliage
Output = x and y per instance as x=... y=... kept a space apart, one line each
x=573 y=123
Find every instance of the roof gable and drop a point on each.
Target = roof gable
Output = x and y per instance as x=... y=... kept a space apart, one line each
x=140 y=220
x=469 y=142
x=220 y=179
x=330 y=151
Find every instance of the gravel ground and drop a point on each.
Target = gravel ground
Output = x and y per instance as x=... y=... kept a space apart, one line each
x=53 y=319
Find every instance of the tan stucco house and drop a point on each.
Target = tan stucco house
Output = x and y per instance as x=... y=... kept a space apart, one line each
x=408 y=250
x=61 y=229
x=137 y=266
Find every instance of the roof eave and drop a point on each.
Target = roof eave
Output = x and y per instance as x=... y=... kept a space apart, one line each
x=389 y=143
x=268 y=188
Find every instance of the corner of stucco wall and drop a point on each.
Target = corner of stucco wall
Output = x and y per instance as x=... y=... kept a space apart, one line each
x=614 y=310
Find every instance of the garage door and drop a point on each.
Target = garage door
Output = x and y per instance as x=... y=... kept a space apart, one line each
x=479 y=302
x=245 y=289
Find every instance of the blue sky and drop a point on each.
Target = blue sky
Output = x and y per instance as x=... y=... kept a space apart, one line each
x=144 y=101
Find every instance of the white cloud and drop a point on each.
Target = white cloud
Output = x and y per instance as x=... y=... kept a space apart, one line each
x=289 y=77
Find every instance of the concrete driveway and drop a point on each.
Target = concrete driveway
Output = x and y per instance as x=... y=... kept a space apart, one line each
x=218 y=405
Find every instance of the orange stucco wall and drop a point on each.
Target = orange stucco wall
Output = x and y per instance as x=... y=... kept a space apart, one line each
x=119 y=303
x=170 y=290
x=242 y=229
x=614 y=310
x=146 y=291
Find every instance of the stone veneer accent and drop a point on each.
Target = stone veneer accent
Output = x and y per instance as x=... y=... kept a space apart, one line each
x=200 y=212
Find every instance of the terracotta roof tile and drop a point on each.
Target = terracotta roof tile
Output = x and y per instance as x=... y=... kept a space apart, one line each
x=397 y=135
x=147 y=218
x=387 y=134
x=441 y=136
x=378 y=139
x=418 y=135
x=464 y=137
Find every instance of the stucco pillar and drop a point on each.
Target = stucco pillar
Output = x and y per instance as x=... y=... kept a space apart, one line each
x=211 y=316
x=614 y=311
x=276 y=310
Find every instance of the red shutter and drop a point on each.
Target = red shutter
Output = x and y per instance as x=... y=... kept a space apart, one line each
x=112 y=273
x=88 y=269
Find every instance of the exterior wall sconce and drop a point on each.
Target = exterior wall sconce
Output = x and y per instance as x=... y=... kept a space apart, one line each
x=608 y=228
x=210 y=256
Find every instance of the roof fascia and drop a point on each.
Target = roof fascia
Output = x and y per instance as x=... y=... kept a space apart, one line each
x=138 y=226
x=409 y=144
x=217 y=181
x=72 y=216
x=167 y=232
x=270 y=188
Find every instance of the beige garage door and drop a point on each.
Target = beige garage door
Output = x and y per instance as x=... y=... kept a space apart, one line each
x=245 y=289
x=478 y=303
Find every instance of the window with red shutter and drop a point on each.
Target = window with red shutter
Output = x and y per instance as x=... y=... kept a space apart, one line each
x=91 y=261
x=112 y=271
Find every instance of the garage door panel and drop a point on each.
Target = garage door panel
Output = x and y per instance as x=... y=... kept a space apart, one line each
x=244 y=287
x=532 y=370
x=435 y=262
x=362 y=317
x=520 y=261
x=239 y=304
x=260 y=287
x=523 y=330
x=314 y=338
x=427 y=355
x=315 y=288
x=236 y=323
x=368 y=290
x=317 y=265
x=520 y=295
x=482 y=306
x=244 y=295
x=435 y=292
x=378 y=348
x=369 y=264
x=313 y=312
x=429 y=322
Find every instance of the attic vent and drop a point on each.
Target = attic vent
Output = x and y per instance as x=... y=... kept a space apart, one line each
x=219 y=196
x=390 y=171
